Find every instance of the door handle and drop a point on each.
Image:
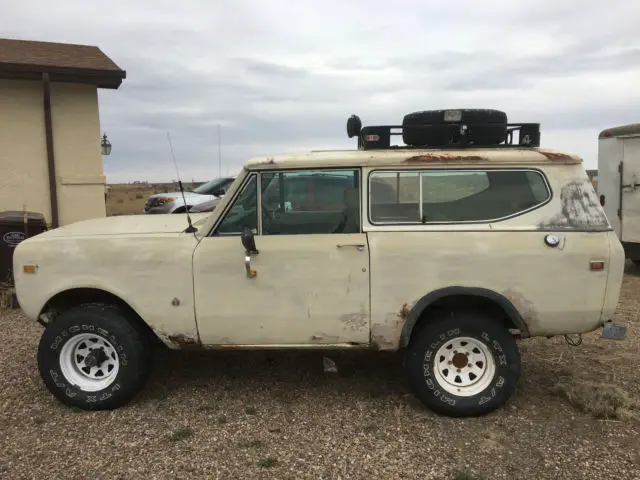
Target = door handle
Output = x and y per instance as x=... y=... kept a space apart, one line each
x=247 y=265
x=359 y=246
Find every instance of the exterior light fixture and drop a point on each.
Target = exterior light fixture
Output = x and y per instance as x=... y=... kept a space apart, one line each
x=105 y=145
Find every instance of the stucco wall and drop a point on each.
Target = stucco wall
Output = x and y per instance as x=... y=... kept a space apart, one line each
x=76 y=145
x=23 y=155
x=24 y=179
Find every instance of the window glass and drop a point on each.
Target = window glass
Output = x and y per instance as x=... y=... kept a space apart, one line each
x=442 y=187
x=244 y=211
x=457 y=196
x=310 y=202
x=395 y=197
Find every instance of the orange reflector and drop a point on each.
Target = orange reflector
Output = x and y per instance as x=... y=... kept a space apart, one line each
x=597 y=266
x=373 y=138
x=29 y=268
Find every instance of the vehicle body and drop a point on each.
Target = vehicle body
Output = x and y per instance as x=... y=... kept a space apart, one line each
x=619 y=183
x=173 y=202
x=447 y=254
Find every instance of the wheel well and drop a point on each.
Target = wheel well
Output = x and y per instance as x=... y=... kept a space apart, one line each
x=77 y=296
x=464 y=302
x=182 y=209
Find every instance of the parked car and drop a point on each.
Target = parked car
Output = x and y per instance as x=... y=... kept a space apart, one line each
x=449 y=250
x=172 y=202
x=302 y=192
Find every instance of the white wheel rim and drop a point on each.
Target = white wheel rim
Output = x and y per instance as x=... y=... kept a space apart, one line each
x=464 y=366
x=89 y=361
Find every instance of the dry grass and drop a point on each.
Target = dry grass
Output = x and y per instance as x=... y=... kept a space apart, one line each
x=181 y=434
x=600 y=400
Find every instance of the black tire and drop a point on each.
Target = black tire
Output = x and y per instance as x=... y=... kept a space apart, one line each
x=421 y=357
x=493 y=132
x=104 y=322
x=182 y=209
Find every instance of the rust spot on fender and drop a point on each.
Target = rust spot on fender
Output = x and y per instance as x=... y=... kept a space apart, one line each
x=526 y=309
x=184 y=341
x=387 y=335
x=404 y=311
x=445 y=157
x=323 y=338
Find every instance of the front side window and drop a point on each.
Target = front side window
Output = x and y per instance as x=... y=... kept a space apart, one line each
x=310 y=202
x=454 y=196
x=244 y=211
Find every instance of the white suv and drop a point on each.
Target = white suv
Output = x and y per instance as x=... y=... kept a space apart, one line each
x=449 y=252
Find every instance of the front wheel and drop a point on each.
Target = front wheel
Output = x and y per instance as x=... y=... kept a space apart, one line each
x=463 y=364
x=93 y=358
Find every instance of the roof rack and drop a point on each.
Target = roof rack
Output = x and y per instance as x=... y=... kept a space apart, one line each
x=456 y=135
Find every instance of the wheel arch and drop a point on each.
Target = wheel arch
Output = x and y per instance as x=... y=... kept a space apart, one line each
x=458 y=297
x=72 y=297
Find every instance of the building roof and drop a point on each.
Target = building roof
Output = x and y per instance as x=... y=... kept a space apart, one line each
x=64 y=62
x=621 y=130
x=409 y=157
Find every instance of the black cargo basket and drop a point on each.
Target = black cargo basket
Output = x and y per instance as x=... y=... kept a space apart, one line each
x=434 y=130
x=16 y=226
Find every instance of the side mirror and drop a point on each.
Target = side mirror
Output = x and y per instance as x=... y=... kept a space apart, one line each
x=248 y=241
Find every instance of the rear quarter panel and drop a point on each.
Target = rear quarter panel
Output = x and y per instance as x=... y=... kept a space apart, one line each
x=553 y=289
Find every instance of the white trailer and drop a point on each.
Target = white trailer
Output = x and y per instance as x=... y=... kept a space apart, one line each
x=619 y=183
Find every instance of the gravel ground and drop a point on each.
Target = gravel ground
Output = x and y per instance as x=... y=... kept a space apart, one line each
x=256 y=415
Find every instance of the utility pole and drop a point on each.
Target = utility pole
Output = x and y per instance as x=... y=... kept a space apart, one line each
x=219 y=155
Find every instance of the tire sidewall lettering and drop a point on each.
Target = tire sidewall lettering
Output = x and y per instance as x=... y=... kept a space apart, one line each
x=58 y=378
x=492 y=389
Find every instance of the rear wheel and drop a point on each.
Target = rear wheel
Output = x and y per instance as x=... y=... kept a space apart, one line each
x=463 y=364
x=92 y=357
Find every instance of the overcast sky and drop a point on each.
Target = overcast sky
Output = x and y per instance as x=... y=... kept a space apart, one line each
x=283 y=76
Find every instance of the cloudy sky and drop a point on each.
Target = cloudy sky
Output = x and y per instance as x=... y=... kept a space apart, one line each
x=283 y=76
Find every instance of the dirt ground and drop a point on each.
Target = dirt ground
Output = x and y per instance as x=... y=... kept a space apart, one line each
x=279 y=415
x=129 y=199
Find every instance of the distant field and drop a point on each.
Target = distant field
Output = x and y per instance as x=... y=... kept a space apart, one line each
x=129 y=198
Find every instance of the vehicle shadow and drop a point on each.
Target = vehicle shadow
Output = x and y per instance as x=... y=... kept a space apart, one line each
x=275 y=373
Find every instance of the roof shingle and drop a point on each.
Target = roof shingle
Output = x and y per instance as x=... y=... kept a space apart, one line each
x=18 y=57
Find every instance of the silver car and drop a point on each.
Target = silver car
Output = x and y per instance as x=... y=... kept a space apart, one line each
x=172 y=202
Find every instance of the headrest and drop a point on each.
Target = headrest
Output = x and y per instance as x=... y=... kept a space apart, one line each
x=351 y=198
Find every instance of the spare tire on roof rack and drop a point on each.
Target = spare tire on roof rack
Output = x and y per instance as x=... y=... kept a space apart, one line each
x=484 y=127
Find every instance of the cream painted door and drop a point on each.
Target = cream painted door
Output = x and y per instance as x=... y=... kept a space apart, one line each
x=310 y=288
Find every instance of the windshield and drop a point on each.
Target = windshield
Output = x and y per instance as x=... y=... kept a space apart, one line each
x=212 y=186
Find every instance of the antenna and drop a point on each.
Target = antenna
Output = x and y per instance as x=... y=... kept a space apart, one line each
x=190 y=228
x=219 y=154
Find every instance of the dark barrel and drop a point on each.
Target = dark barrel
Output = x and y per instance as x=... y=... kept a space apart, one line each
x=15 y=226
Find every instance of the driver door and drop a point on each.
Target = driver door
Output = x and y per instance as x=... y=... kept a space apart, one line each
x=312 y=265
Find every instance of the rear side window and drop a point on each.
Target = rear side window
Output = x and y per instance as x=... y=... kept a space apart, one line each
x=440 y=196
